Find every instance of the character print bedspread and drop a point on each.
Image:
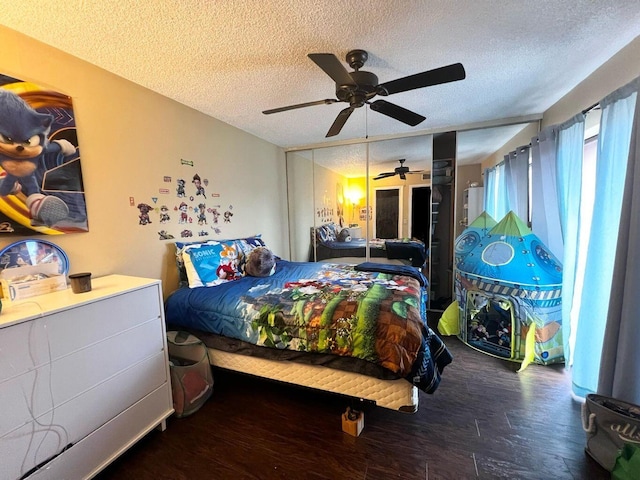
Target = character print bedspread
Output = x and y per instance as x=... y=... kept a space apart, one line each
x=377 y=316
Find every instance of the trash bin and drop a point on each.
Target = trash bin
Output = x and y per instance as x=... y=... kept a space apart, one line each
x=191 y=376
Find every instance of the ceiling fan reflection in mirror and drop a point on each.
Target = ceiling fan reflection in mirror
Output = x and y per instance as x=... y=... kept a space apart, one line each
x=401 y=170
x=357 y=88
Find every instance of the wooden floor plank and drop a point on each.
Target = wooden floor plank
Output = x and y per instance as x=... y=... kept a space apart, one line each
x=485 y=421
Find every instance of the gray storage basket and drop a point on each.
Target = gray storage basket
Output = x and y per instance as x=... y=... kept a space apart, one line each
x=609 y=424
x=191 y=376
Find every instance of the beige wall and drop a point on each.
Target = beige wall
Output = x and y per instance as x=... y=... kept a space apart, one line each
x=301 y=209
x=618 y=71
x=130 y=138
x=522 y=138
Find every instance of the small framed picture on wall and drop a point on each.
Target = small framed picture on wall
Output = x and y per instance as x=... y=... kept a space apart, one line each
x=363 y=214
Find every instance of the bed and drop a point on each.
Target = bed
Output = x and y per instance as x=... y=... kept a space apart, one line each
x=327 y=244
x=356 y=330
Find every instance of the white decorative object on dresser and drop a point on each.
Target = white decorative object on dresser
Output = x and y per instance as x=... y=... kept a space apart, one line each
x=82 y=377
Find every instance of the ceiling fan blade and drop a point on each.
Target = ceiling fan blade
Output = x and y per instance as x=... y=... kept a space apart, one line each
x=415 y=171
x=384 y=175
x=327 y=101
x=399 y=113
x=339 y=122
x=332 y=67
x=449 y=73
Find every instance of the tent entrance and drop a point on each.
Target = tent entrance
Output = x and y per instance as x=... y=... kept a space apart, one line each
x=490 y=325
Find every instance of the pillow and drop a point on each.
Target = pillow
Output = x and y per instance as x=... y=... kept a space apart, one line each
x=210 y=263
x=183 y=280
x=261 y=262
x=243 y=247
x=327 y=233
x=333 y=231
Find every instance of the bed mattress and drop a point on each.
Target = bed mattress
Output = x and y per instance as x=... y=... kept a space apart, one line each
x=393 y=394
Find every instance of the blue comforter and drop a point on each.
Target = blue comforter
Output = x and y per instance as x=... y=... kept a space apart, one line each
x=335 y=309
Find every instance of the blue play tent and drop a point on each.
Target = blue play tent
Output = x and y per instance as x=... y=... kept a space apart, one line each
x=472 y=235
x=508 y=289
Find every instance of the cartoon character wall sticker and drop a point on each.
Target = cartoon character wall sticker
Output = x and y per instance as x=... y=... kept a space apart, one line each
x=202 y=214
x=184 y=209
x=189 y=209
x=144 y=213
x=198 y=184
x=164 y=214
x=41 y=190
x=180 y=192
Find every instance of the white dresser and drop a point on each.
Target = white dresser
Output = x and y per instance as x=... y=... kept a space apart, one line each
x=82 y=377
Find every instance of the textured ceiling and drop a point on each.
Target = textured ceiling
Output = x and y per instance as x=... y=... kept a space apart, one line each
x=233 y=59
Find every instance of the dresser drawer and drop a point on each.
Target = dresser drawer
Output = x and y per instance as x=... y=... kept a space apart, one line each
x=44 y=437
x=50 y=386
x=29 y=345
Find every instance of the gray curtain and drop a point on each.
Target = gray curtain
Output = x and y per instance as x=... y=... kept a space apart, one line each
x=545 y=211
x=620 y=362
x=517 y=172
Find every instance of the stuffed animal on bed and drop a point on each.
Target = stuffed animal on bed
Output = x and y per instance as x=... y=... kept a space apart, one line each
x=344 y=235
x=261 y=262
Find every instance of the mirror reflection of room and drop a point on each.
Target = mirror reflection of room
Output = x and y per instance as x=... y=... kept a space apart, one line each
x=369 y=202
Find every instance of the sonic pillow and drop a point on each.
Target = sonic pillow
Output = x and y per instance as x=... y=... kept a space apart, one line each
x=210 y=263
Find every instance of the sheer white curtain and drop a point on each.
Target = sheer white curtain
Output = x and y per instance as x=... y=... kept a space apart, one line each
x=517 y=180
x=620 y=365
x=569 y=160
x=556 y=163
x=611 y=165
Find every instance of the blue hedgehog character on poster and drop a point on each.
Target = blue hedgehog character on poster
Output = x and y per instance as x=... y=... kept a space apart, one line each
x=25 y=151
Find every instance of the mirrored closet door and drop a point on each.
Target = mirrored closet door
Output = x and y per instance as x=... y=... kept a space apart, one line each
x=363 y=201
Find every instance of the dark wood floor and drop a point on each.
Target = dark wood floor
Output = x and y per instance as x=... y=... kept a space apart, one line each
x=485 y=421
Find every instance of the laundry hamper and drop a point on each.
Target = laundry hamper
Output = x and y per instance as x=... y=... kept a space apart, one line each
x=191 y=376
x=609 y=424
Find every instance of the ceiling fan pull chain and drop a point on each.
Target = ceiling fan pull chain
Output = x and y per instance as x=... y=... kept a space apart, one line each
x=366 y=123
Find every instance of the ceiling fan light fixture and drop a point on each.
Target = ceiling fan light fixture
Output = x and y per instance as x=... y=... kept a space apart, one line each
x=358 y=88
x=401 y=171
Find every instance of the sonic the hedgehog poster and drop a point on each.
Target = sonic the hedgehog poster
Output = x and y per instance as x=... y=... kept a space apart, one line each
x=41 y=189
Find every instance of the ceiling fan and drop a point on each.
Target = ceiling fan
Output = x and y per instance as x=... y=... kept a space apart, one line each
x=357 y=88
x=401 y=170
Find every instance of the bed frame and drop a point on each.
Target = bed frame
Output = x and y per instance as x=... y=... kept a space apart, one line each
x=397 y=394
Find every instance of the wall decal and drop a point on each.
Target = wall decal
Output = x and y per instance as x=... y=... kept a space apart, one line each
x=191 y=215
x=164 y=235
x=41 y=191
x=164 y=214
x=198 y=184
x=180 y=188
x=186 y=162
x=144 y=213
